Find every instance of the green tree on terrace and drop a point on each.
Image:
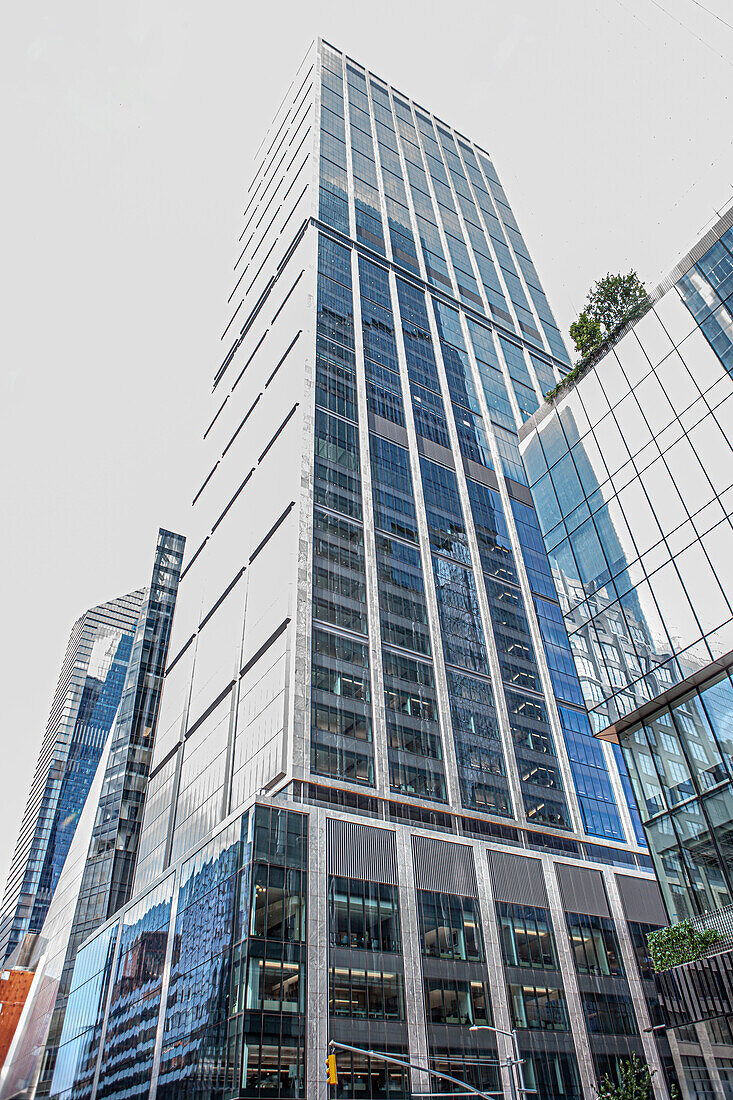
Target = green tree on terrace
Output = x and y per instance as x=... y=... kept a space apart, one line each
x=612 y=300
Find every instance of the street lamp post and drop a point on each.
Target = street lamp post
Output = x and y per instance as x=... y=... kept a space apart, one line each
x=514 y=1061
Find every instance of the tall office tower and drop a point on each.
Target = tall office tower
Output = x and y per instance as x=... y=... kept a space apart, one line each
x=84 y=707
x=376 y=812
x=97 y=873
x=632 y=475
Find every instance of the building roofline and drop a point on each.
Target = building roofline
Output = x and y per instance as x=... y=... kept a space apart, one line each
x=699 y=249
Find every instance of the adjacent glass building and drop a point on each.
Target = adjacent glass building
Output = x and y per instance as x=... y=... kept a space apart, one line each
x=632 y=479
x=87 y=696
x=97 y=871
x=376 y=811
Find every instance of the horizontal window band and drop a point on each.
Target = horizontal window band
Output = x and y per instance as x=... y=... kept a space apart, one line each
x=216 y=416
x=178 y=656
x=281 y=519
x=256 y=349
x=166 y=760
x=221 y=599
x=292 y=344
x=264 y=647
x=287 y=296
x=208 y=479
x=244 y=420
x=231 y=502
x=278 y=432
x=193 y=559
x=210 y=709
x=259 y=304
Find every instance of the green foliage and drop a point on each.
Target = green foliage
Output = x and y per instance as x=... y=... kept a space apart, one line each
x=680 y=943
x=615 y=298
x=612 y=302
x=586 y=333
x=634 y=1083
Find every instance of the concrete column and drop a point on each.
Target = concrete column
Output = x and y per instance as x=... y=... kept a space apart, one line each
x=494 y=962
x=317 y=964
x=651 y=1054
x=412 y=962
x=570 y=981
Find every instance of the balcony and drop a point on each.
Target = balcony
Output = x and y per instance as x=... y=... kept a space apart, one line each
x=701 y=990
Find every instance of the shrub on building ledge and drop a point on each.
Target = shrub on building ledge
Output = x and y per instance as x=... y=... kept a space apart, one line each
x=680 y=943
x=613 y=302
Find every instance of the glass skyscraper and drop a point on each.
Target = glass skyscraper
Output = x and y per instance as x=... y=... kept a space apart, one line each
x=376 y=811
x=632 y=476
x=97 y=869
x=84 y=707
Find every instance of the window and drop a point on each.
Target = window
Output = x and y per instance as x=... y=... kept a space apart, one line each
x=365 y=994
x=278 y=905
x=526 y=936
x=609 y=1014
x=449 y=926
x=595 y=945
x=457 y=1002
x=363 y=915
x=275 y=986
x=538 y=1008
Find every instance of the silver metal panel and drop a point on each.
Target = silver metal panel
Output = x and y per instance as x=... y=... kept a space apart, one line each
x=582 y=890
x=361 y=851
x=641 y=899
x=442 y=866
x=518 y=879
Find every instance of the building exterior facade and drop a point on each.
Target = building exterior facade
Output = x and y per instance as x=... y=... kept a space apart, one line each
x=84 y=707
x=97 y=874
x=376 y=812
x=632 y=478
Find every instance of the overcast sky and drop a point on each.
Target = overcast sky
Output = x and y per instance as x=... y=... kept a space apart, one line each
x=128 y=136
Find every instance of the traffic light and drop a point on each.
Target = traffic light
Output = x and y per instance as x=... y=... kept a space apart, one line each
x=331 y=1074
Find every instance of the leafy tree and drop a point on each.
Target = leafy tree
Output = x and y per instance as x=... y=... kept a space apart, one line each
x=634 y=1082
x=614 y=298
x=586 y=333
x=611 y=301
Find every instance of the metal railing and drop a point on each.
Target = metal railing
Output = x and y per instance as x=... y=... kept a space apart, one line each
x=722 y=921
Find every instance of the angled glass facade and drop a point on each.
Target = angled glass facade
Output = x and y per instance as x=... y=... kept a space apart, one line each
x=84 y=707
x=631 y=476
x=630 y=473
x=372 y=736
x=97 y=873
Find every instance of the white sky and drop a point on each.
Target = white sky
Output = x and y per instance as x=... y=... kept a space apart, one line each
x=128 y=136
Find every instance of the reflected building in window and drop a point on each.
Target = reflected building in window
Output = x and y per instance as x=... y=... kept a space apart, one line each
x=372 y=747
x=631 y=474
x=87 y=696
x=96 y=875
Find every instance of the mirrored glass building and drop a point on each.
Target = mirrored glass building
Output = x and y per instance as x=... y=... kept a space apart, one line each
x=87 y=696
x=96 y=876
x=631 y=475
x=377 y=814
